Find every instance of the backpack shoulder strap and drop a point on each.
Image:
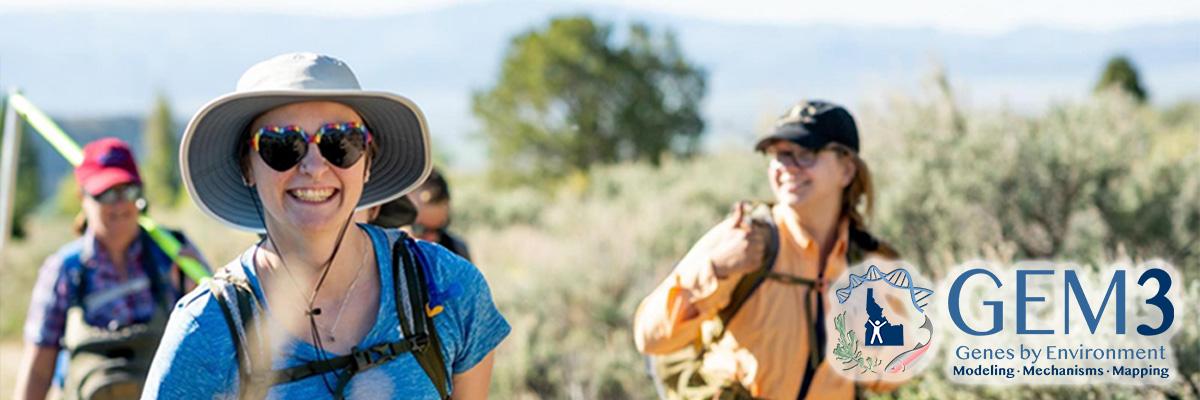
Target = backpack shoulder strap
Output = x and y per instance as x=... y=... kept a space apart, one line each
x=72 y=265
x=181 y=277
x=240 y=309
x=158 y=257
x=760 y=214
x=153 y=257
x=421 y=326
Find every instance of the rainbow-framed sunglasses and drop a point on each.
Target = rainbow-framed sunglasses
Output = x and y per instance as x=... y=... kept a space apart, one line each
x=282 y=147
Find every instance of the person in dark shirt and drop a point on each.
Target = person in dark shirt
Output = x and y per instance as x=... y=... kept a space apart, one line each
x=432 y=201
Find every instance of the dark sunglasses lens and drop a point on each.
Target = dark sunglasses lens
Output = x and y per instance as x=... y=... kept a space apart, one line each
x=282 y=150
x=131 y=193
x=107 y=197
x=114 y=195
x=343 y=146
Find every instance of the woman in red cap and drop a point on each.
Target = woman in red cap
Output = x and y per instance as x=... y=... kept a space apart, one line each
x=104 y=297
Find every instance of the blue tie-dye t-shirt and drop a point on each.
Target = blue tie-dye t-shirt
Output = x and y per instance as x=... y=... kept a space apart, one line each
x=196 y=357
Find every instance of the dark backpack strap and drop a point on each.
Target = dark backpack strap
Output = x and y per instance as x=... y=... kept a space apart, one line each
x=152 y=257
x=791 y=279
x=750 y=282
x=180 y=277
x=355 y=362
x=854 y=253
x=429 y=356
x=816 y=348
x=179 y=271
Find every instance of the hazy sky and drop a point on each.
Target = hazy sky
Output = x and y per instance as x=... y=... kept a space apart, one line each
x=983 y=16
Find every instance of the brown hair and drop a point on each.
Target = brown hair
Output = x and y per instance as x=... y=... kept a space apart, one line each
x=80 y=223
x=858 y=202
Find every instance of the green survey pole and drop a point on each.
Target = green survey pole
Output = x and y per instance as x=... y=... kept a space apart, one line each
x=47 y=128
x=71 y=151
x=169 y=245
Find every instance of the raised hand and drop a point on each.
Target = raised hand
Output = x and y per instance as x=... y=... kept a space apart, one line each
x=741 y=249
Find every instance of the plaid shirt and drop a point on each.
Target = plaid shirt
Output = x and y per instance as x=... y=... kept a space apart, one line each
x=109 y=301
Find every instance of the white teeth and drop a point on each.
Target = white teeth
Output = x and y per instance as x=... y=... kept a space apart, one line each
x=313 y=195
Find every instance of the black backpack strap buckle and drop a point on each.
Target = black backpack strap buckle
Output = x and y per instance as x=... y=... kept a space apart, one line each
x=419 y=343
x=360 y=359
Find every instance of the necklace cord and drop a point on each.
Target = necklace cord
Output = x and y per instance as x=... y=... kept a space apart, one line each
x=314 y=333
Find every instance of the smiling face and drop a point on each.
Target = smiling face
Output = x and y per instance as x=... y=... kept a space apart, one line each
x=314 y=195
x=115 y=220
x=799 y=185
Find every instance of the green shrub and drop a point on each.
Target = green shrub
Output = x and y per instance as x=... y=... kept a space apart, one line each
x=1093 y=182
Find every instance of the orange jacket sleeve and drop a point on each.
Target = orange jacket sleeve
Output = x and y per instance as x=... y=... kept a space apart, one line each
x=670 y=317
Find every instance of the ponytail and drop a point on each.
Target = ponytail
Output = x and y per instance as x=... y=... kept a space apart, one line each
x=80 y=224
x=861 y=192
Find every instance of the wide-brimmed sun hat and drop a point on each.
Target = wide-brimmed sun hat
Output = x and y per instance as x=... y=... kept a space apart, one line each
x=208 y=154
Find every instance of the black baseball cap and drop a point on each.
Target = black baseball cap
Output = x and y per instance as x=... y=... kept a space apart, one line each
x=814 y=124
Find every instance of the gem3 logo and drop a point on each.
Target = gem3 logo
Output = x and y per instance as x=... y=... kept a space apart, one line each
x=1073 y=293
x=1033 y=323
x=1059 y=323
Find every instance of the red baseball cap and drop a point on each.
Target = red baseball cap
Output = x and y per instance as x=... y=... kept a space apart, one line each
x=106 y=163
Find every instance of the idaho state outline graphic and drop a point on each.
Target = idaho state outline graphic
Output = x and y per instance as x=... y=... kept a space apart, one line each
x=897 y=331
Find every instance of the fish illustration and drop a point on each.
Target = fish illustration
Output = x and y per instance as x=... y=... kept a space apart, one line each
x=902 y=361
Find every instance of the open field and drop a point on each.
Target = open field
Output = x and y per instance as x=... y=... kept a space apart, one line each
x=1092 y=182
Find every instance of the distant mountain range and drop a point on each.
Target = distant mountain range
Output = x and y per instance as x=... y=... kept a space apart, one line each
x=89 y=67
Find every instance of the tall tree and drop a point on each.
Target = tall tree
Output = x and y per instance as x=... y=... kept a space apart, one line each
x=569 y=97
x=160 y=168
x=1123 y=75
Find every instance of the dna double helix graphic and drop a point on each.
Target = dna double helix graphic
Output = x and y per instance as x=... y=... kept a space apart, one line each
x=898 y=278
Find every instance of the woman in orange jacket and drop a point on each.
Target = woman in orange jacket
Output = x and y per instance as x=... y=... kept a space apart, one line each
x=822 y=189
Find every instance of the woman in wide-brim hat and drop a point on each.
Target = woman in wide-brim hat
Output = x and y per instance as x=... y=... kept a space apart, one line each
x=320 y=307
